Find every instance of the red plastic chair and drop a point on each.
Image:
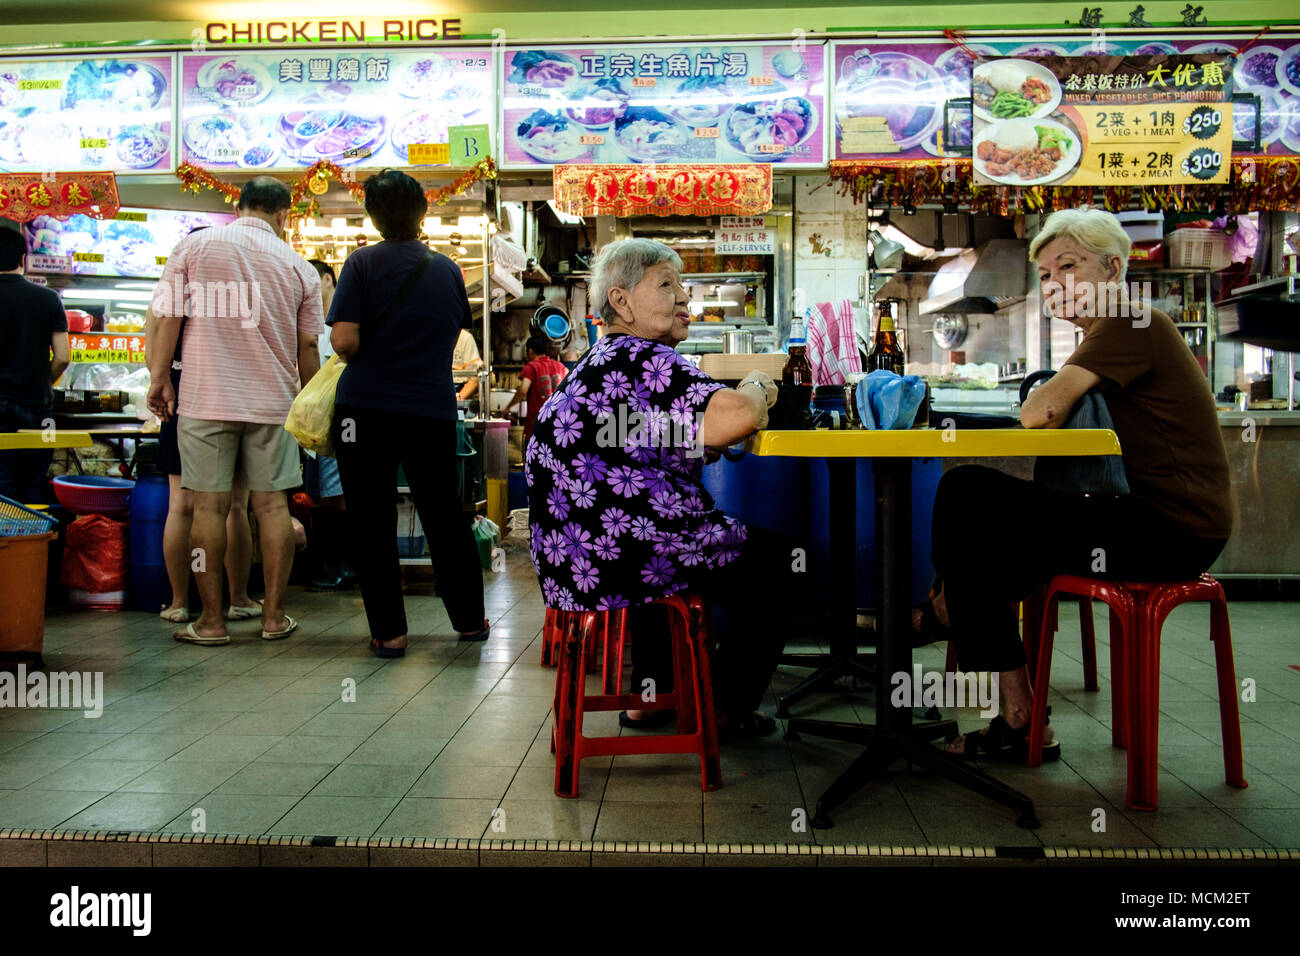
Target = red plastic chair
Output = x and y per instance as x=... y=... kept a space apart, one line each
x=692 y=696
x=553 y=629
x=1138 y=612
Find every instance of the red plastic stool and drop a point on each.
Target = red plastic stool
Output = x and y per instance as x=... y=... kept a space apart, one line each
x=691 y=697
x=1138 y=612
x=553 y=629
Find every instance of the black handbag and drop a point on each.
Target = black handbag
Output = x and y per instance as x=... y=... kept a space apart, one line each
x=1080 y=474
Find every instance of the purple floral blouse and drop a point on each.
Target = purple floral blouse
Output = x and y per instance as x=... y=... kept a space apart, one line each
x=618 y=514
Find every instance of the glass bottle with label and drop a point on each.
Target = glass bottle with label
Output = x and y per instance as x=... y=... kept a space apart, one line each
x=797 y=371
x=886 y=353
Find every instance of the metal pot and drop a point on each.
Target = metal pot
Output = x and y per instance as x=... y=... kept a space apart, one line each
x=739 y=342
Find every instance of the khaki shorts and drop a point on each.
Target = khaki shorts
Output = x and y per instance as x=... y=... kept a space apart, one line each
x=211 y=449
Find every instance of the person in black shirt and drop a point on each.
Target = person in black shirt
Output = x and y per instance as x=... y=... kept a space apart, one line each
x=395 y=406
x=32 y=323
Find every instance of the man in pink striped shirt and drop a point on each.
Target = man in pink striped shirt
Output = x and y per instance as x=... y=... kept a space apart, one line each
x=252 y=311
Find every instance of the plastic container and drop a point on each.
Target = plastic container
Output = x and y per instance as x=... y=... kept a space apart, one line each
x=518 y=490
x=91 y=494
x=496 y=449
x=762 y=492
x=23 y=563
x=1198 y=249
x=148 y=517
x=18 y=521
x=98 y=600
x=926 y=473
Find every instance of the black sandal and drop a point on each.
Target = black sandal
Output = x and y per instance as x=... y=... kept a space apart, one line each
x=657 y=719
x=386 y=652
x=1004 y=743
x=750 y=726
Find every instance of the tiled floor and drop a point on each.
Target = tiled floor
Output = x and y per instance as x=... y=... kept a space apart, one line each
x=314 y=736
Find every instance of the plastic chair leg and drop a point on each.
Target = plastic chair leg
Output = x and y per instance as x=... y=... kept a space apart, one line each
x=1144 y=697
x=1119 y=696
x=569 y=680
x=1088 y=637
x=1229 y=716
x=1042 y=681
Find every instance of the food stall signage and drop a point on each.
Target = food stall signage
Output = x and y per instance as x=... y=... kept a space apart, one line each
x=24 y=197
x=746 y=235
x=328 y=31
x=1103 y=120
x=428 y=154
x=664 y=104
x=630 y=190
x=107 y=348
x=470 y=144
x=292 y=110
x=134 y=242
x=92 y=114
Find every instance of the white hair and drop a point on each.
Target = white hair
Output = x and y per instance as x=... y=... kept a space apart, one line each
x=1096 y=230
x=621 y=265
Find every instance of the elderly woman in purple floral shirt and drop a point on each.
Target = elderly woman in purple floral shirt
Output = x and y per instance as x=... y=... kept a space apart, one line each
x=618 y=513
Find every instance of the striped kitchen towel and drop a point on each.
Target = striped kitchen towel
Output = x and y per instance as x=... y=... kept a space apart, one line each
x=823 y=334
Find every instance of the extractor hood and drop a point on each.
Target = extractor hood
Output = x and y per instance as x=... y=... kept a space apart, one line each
x=981 y=281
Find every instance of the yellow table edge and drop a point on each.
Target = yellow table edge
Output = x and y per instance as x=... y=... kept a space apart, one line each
x=40 y=440
x=935 y=443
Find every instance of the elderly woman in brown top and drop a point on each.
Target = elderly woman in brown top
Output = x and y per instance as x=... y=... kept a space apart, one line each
x=1171 y=526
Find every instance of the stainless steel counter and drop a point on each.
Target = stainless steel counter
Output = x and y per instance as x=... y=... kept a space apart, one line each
x=1262 y=418
x=1264 y=464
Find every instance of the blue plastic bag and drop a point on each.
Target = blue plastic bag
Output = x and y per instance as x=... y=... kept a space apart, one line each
x=889 y=401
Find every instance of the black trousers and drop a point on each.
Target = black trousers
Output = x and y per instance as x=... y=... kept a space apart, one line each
x=987 y=562
x=22 y=473
x=754 y=601
x=426 y=450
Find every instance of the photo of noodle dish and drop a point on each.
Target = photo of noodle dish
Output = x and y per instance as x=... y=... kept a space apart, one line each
x=770 y=127
x=1008 y=89
x=599 y=105
x=550 y=137
x=132 y=249
x=422 y=126
x=700 y=101
x=140 y=146
x=1023 y=152
x=222 y=137
x=113 y=84
x=649 y=136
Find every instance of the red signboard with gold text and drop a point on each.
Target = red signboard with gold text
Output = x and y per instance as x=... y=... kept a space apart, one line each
x=647 y=190
x=24 y=196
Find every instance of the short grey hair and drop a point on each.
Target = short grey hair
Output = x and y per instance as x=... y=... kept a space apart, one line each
x=621 y=265
x=1096 y=230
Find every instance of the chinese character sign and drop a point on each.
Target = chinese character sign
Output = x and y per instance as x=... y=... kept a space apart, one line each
x=293 y=108
x=25 y=197
x=1103 y=120
x=663 y=104
x=94 y=114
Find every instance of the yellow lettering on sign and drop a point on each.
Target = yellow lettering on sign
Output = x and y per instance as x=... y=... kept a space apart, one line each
x=131 y=216
x=428 y=154
x=88 y=143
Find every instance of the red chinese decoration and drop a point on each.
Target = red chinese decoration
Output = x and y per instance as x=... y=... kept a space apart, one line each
x=1257 y=183
x=24 y=196
x=677 y=190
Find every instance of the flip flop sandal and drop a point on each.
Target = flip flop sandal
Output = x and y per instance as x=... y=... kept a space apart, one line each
x=244 y=613
x=658 y=719
x=175 y=615
x=283 y=632
x=191 y=636
x=478 y=635
x=1005 y=743
x=750 y=726
x=386 y=652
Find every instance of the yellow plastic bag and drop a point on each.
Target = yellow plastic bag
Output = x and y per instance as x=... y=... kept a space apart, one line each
x=312 y=414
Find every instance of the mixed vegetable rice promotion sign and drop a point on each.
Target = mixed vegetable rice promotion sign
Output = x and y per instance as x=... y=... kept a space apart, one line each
x=1103 y=120
x=664 y=104
x=93 y=114
x=293 y=108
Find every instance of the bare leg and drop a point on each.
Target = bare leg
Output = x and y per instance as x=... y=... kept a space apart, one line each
x=275 y=534
x=208 y=534
x=1016 y=702
x=176 y=542
x=239 y=551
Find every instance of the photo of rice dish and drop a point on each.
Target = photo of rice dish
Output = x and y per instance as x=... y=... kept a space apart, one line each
x=422 y=126
x=906 y=91
x=235 y=82
x=219 y=137
x=263 y=154
x=550 y=137
x=755 y=129
x=353 y=134
x=1022 y=152
x=425 y=77
x=1007 y=89
x=140 y=146
x=1257 y=68
x=599 y=105
x=647 y=135
x=113 y=84
x=548 y=69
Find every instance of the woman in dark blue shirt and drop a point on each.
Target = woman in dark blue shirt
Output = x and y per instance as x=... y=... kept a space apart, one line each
x=395 y=316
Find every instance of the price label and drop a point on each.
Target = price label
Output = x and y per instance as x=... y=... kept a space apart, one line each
x=87 y=257
x=160 y=260
x=760 y=81
x=592 y=139
x=131 y=216
x=357 y=152
x=428 y=154
x=706 y=132
x=644 y=81
x=40 y=85
x=1203 y=122
x=771 y=148
x=1203 y=163
x=92 y=143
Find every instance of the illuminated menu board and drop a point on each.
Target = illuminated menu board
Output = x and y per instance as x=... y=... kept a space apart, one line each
x=135 y=242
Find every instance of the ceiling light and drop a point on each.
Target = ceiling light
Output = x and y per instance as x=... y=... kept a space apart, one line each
x=338 y=223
